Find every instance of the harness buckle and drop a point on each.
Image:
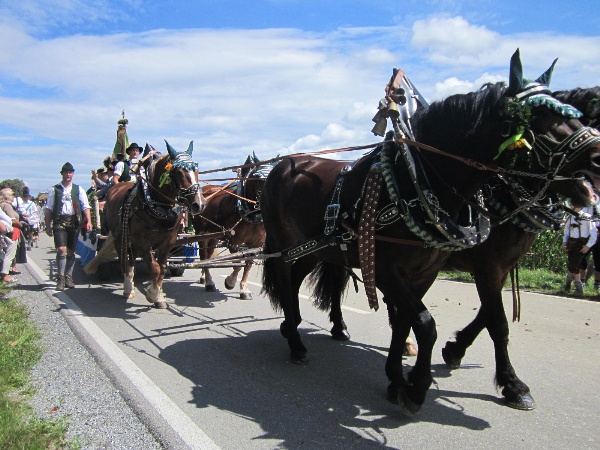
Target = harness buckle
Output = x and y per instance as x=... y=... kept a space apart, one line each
x=331 y=214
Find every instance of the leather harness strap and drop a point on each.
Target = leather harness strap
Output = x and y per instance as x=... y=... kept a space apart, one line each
x=366 y=236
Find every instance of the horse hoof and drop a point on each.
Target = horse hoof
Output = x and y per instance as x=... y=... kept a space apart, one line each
x=340 y=335
x=129 y=295
x=300 y=358
x=399 y=397
x=202 y=280
x=210 y=288
x=228 y=286
x=245 y=296
x=410 y=349
x=452 y=361
x=160 y=305
x=524 y=402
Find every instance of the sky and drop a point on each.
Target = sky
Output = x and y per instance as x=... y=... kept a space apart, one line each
x=273 y=77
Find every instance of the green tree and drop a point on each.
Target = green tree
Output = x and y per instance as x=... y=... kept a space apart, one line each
x=15 y=184
x=546 y=253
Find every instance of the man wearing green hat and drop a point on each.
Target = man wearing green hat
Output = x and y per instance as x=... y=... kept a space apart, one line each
x=67 y=207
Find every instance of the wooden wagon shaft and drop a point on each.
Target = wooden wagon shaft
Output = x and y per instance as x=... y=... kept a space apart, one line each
x=207 y=264
x=238 y=257
x=183 y=240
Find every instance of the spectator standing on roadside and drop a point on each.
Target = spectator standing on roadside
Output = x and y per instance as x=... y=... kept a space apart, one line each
x=30 y=212
x=66 y=209
x=9 y=265
x=8 y=245
x=594 y=215
x=580 y=234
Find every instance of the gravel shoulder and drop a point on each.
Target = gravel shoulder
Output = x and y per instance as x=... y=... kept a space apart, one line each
x=69 y=382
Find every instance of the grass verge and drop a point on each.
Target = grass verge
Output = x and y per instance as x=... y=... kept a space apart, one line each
x=538 y=280
x=19 y=351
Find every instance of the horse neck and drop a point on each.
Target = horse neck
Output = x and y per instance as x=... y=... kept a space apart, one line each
x=463 y=125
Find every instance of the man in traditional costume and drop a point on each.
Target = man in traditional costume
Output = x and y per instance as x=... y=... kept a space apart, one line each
x=66 y=209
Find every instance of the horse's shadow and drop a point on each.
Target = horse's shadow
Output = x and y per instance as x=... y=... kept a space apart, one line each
x=338 y=399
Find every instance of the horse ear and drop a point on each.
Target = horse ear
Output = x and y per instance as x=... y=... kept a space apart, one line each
x=171 y=150
x=256 y=159
x=515 y=79
x=190 y=148
x=547 y=75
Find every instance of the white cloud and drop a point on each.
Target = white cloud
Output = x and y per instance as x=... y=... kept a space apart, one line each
x=237 y=91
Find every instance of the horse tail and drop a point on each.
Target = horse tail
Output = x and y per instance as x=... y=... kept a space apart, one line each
x=328 y=283
x=107 y=252
x=270 y=286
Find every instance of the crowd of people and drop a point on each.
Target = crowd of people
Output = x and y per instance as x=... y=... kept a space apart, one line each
x=19 y=229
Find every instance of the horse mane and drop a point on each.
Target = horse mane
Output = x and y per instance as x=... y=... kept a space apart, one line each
x=457 y=115
x=154 y=164
x=587 y=100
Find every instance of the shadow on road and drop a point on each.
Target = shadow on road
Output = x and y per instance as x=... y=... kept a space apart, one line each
x=343 y=386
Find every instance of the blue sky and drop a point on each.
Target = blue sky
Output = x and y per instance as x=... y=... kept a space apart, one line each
x=273 y=77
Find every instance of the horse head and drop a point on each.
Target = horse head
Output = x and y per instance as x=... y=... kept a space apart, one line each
x=533 y=138
x=253 y=175
x=552 y=136
x=183 y=179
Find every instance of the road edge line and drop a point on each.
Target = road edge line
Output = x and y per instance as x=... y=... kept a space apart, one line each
x=106 y=351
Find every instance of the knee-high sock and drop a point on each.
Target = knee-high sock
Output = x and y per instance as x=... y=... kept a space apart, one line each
x=61 y=263
x=70 y=264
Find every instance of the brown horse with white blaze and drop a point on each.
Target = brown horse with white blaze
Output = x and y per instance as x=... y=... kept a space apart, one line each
x=144 y=218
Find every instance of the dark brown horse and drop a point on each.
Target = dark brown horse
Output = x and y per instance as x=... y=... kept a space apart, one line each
x=314 y=209
x=234 y=208
x=490 y=264
x=144 y=218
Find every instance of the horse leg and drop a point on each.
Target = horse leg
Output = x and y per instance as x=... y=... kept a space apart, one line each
x=129 y=288
x=339 y=331
x=209 y=284
x=231 y=280
x=492 y=316
x=409 y=346
x=454 y=351
x=336 y=279
x=245 y=293
x=410 y=312
x=282 y=283
x=206 y=278
x=157 y=270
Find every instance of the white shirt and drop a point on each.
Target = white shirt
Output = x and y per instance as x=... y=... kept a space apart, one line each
x=578 y=228
x=7 y=220
x=31 y=211
x=67 y=207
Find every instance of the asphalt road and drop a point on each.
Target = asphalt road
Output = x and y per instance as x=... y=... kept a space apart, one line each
x=213 y=371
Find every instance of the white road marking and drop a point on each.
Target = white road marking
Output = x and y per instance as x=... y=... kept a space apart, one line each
x=180 y=423
x=347 y=308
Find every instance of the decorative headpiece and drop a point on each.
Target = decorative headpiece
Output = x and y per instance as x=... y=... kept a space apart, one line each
x=527 y=94
x=182 y=159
